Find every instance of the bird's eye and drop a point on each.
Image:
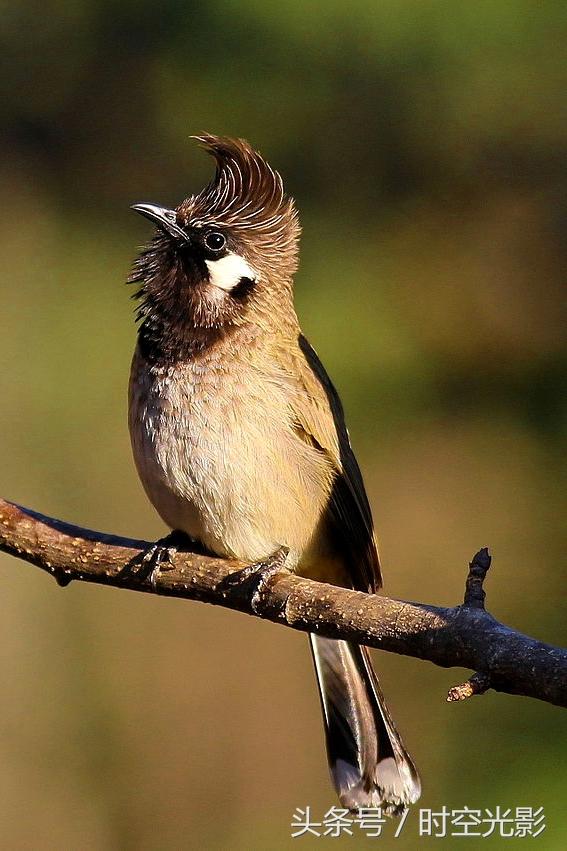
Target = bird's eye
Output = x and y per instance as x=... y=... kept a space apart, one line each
x=215 y=241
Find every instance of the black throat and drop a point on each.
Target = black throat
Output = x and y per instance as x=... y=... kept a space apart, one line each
x=178 y=319
x=166 y=342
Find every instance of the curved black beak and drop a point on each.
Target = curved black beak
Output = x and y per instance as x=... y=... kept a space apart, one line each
x=163 y=218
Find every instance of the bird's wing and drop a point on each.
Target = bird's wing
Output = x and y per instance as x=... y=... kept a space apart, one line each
x=349 y=511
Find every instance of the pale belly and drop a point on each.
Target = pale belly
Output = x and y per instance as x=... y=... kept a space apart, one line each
x=227 y=468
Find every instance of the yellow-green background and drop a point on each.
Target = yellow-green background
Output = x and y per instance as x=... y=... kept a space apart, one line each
x=425 y=143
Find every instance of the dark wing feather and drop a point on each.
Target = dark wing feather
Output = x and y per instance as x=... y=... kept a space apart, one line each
x=349 y=509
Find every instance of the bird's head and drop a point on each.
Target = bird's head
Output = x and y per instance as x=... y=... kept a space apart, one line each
x=222 y=258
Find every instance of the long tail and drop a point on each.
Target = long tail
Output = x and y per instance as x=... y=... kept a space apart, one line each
x=369 y=765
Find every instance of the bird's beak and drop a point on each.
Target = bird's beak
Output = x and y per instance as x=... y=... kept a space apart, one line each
x=163 y=218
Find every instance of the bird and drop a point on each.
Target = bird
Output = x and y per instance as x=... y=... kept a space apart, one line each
x=239 y=436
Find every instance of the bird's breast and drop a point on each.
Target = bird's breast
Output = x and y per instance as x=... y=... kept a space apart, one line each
x=217 y=456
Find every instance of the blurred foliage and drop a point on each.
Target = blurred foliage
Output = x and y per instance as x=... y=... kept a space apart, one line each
x=426 y=145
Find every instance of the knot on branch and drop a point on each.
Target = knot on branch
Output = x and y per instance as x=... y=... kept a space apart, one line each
x=478 y=568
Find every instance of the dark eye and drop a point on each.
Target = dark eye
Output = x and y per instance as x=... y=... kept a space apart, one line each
x=215 y=241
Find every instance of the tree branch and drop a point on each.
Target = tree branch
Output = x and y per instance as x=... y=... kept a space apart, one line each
x=464 y=636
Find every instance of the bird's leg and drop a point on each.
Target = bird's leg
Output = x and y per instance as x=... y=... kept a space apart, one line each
x=261 y=573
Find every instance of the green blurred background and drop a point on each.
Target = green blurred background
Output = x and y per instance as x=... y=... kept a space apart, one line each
x=425 y=143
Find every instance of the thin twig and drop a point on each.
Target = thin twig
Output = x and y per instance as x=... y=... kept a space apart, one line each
x=477 y=684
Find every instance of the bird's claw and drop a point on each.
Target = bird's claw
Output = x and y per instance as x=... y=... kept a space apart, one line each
x=261 y=573
x=159 y=557
x=155 y=560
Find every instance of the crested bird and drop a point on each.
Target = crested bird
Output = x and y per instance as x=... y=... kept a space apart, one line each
x=239 y=436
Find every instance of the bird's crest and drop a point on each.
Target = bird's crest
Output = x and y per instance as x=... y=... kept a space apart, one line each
x=246 y=193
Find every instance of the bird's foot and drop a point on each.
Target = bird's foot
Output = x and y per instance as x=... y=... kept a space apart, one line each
x=260 y=575
x=160 y=556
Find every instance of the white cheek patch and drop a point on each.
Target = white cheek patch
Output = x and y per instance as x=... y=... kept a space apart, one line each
x=227 y=272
